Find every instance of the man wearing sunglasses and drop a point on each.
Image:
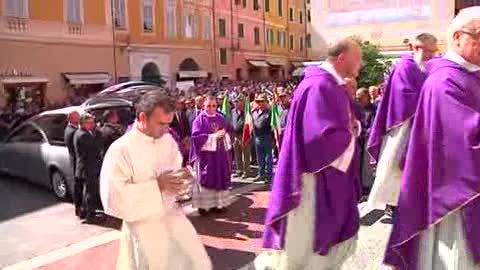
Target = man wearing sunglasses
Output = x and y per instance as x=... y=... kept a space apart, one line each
x=436 y=226
x=389 y=134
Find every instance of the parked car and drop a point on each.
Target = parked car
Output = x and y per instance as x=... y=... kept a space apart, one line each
x=35 y=150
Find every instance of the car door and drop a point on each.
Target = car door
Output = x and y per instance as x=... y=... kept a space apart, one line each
x=22 y=153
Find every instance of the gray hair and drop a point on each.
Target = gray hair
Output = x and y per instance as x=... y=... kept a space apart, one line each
x=465 y=19
x=426 y=38
x=340 y=47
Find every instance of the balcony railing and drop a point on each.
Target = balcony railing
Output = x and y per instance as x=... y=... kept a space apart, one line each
x=15 y=24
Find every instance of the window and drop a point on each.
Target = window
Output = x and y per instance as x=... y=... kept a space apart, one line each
x=267 y=5
x=237 y=2
x=119 y=11
x=171 y=18
x=223 y=56
x=27 y=133
x=308 y=1
x=189 y=26
x=291 y=43
x=301 y=43
x=221 y=28
x=53 y=125
x=270 y=38
x=300 y=16
x=309 y=18
x=147 y=16
x=244 y=3
x=290 y=14
x=255 y=5
x=73 y=11
x=256 y=35
x=280 y=7
x=308 y=40
x=284 y=40
x=207 y=27
x=241 y=33
x=16 y=8
x=279 y=38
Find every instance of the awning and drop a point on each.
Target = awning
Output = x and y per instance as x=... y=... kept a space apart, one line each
x=277 y=62
x=258 y=63
x=192 y=74
x=297 y=64
x=22 y=79
x=87 y=78
x=298 y=72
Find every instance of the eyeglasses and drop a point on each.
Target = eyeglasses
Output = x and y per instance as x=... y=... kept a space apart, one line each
x=474 y=36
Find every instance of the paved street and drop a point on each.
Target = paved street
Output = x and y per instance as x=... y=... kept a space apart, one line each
x=34 y=223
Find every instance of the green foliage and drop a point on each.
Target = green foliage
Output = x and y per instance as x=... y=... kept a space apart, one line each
x=375 y=65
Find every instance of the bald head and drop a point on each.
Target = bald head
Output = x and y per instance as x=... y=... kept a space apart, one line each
x=73 y=118
x=346 y=57
x=340 y=47
x=463 y=34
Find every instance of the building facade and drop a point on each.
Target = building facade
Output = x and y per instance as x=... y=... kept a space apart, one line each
x=50 y=54
x=70 y=48
x=391 y=24
x=167 y=40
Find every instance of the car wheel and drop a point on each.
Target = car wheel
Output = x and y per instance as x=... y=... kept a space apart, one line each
x=59 y=185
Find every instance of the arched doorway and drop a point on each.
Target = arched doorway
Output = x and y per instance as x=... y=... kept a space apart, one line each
x=151 y=74
x=189 y=65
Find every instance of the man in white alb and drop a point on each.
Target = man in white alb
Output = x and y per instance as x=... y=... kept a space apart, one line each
x=141 y=177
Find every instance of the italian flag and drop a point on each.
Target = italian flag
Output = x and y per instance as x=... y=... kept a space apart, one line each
x=275 y=119
x=248 y=126
x=225 y=109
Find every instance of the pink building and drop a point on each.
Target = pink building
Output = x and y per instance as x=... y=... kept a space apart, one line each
x=240 y=40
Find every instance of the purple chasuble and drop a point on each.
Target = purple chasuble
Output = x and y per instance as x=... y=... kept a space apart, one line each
x=317 y=133
x=215 y=167
x=399 y=102
x=442 y=169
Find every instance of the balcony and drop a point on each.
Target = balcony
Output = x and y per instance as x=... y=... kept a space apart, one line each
x=75 y=29
x=16 y=24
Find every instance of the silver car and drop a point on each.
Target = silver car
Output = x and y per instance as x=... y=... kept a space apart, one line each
x=36 y=151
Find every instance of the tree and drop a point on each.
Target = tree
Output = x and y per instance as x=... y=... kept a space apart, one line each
x=375 y=65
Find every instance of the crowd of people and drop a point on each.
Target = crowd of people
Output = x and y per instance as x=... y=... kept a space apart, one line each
x=420 y=131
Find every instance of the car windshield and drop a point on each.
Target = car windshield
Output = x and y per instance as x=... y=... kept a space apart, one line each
x=53 y=125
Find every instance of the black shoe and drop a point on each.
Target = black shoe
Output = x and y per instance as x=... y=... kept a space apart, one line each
x=390 y=211
x=202 y=212
x=219 y=210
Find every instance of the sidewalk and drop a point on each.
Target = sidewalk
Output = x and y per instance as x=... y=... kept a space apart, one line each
x=232 y=240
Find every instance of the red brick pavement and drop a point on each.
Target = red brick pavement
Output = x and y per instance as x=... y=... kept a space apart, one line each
x=231 y=239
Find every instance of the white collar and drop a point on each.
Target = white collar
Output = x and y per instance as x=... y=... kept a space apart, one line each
x=328 y=67
x=455 y=57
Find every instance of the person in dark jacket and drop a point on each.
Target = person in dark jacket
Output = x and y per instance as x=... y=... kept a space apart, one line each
x=263 y=138
x=70 y=129
x=111 y=129
x=88 y=155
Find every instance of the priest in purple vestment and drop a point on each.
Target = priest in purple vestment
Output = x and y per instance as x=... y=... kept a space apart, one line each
x=436 y=226
x=210 y=152
x=391 y=129
x=312 y=218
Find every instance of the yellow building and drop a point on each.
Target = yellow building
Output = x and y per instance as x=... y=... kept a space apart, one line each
x=170 y=40
x=55 y=49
